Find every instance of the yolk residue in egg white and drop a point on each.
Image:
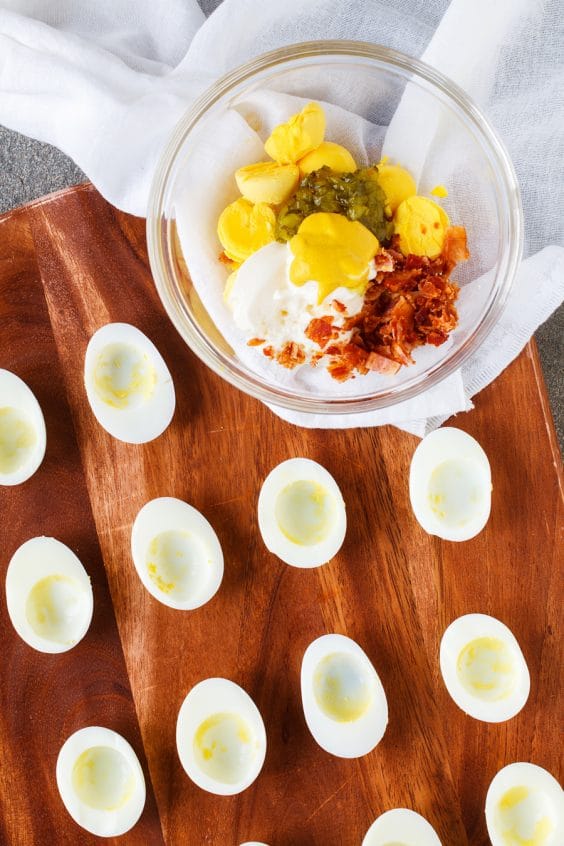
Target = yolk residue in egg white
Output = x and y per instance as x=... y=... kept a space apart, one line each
x=177 y=563
x=456 y=491
x=224 y=747
x=124 y=377
x=55 y=608
x=486 y=669
x=521 y=818
x=102 y=778
x=17 y=439
x=305 y=512
x=342 y=688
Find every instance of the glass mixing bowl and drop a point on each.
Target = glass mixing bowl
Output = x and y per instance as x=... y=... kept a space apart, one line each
x=438 y=132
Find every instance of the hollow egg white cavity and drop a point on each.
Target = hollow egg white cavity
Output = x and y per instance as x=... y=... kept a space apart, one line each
x=401 y=827
x=483 y=668
x=49 y=595
x=176 y=553
x=128 y=384
x=525 y=805
x=301 y=513
x=220 y=737
x=450 y=485
x=344 y=703
x=22 y=430
x=101 y=781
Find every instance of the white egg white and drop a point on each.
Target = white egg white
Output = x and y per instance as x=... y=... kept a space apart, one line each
x=22 y=430
x=100 y=781
x=450 y=485
x=401 y=827
x=128 y=385
x=525 y=805
x=483 y=668
x=49 y=595
x=176 y=553
x=301 y=513
x=344 y=703
x=220 y=737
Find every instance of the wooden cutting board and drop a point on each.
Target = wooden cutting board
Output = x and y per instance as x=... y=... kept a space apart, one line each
x=69 y=264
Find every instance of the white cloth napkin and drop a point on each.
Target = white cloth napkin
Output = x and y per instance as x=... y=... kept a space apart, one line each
x=107 y=82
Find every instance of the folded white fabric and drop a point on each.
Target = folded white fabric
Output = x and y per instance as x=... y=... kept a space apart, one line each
x=107 y=82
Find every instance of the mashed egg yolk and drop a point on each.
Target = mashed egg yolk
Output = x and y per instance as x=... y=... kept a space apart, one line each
x=421 y=225
x=330 y=155
x=243 y=228
x=333 y=251
x=397 y=183
x=267 y=182
x=302 y=133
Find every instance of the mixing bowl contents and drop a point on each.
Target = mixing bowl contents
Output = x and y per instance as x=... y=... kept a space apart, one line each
x=333 y=263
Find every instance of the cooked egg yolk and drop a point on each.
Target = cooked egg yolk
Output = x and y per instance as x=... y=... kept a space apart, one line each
x=421 y=225
x=486 y=669
x=342 y=688
x=267 y=182
x=124 y=377
x=102 y=778
x=333 y=251
x=439 y=191
x=305 y=512
x=457 y=492
x=225 y=747
x=177 y=563
x=55 y=609
x=397 y=183
x=17 y=439
x=302 y=133
x=523 y=817
x=330 y=155
x=243 y=228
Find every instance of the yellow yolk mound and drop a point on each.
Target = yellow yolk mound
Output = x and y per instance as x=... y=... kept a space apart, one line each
x=267 y=182
x=243 y=228
x=333 y=251
x=397 y=183
x=421 y=225
x=330 y=155
x=439 y=191
x=299 y=135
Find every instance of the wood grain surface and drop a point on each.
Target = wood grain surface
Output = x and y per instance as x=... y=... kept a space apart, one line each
x=72 y=263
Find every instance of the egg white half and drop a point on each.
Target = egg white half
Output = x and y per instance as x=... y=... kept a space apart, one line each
x=220 y=737
x=128 y=385
x=23 y=437
x=100 y=781
x=450 y=485
x=401 y=827
x=176 y=553
x=525 y=805
x=49 y=595
x=301 y=513
x=344 y=702
x=483 y=668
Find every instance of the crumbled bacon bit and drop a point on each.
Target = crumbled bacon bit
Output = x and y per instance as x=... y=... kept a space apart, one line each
x=339 y=306
x=291 y=355
x=381 y=364
x=255 y=342
x=268 y=351
x=224 y=259
x=455 y=248
x=320 y=330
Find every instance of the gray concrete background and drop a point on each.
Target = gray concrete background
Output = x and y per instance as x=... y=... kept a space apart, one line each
x=29 y=170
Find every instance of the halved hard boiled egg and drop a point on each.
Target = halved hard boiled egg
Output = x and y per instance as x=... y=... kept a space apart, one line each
x=450 y=485
x=101 y=781
x=220 y=737
x=525 y=807
x=128 y=384
x=344 y=703
x=483 y=668
x=49 y=595
x=401 y=827
x=176 y=553
x=22 y=430
x=301 y=513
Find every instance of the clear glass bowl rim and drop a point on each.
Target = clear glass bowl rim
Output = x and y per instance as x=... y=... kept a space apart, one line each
x=168 y=286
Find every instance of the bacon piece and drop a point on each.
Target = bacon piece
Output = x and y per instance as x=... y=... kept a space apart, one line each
x=291 y=355
x=455 y=248
x=320 y=330
x=255 y=342
x=382 y=364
